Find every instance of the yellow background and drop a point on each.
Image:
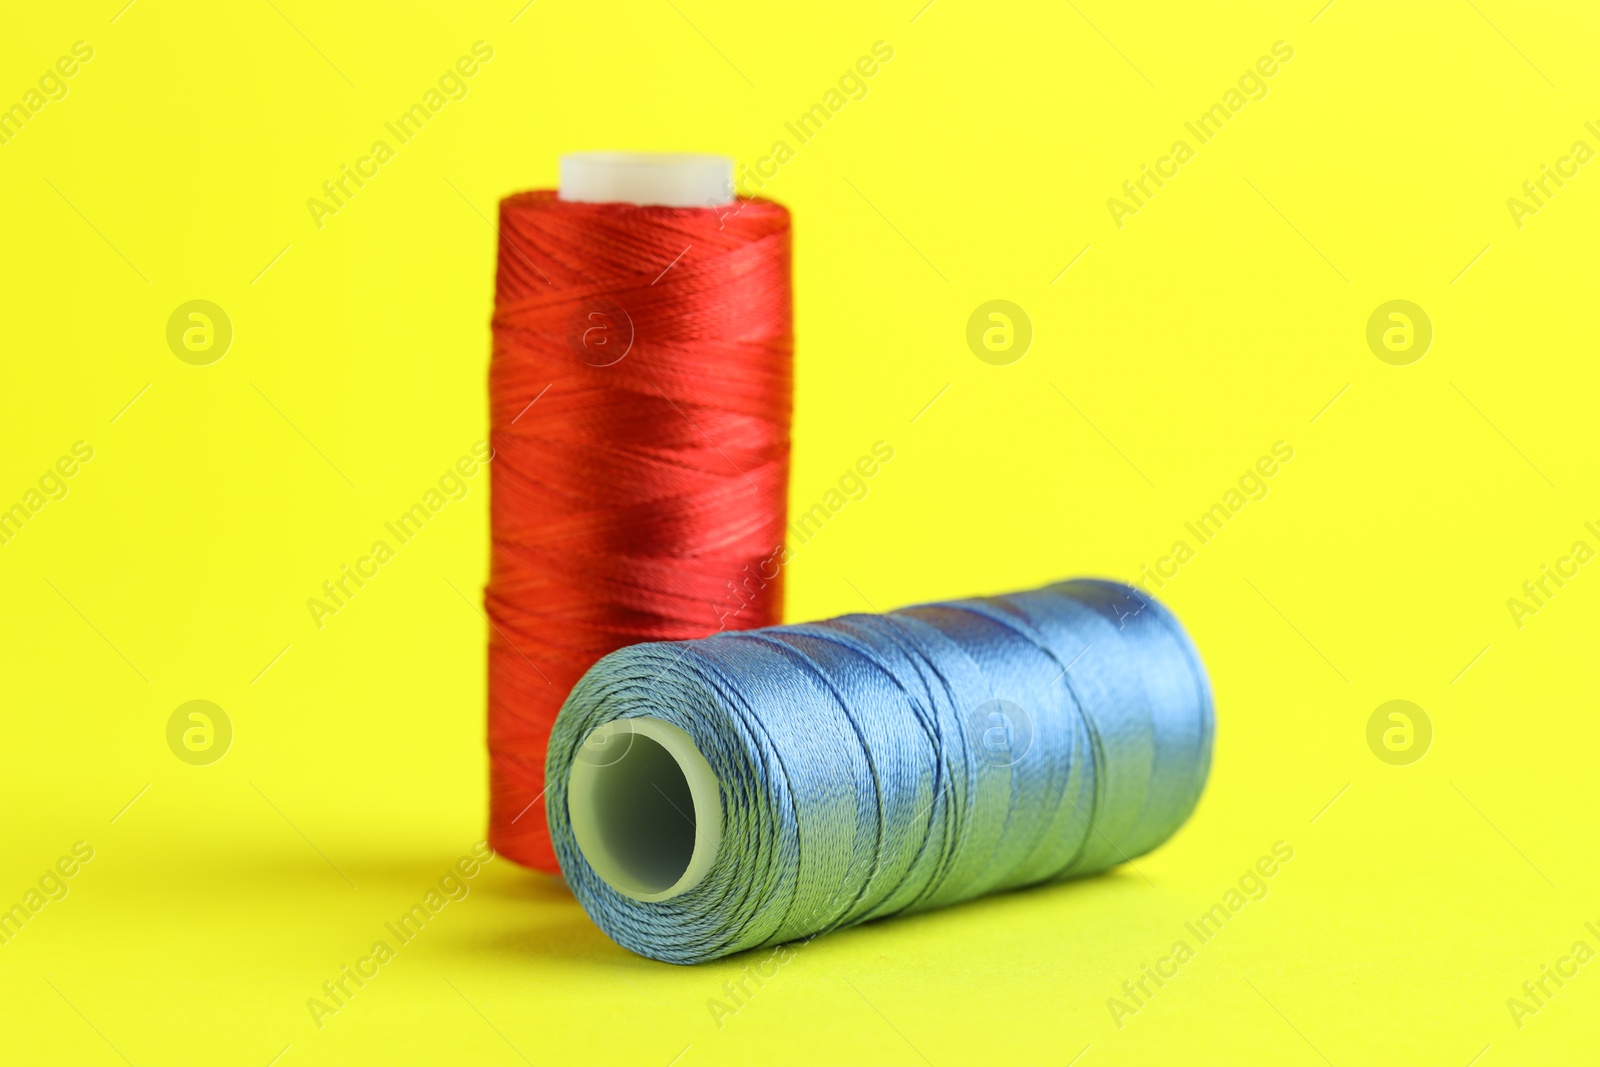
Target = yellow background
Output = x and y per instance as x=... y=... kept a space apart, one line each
x=1223 y=317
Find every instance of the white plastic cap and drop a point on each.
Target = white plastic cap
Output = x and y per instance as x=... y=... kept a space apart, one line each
x=647 y=178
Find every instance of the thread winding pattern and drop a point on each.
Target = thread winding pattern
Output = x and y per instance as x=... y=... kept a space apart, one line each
x=640 y=395
x=876 y=765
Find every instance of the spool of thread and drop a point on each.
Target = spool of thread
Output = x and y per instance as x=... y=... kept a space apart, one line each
x=640 y=393
x=749 y=789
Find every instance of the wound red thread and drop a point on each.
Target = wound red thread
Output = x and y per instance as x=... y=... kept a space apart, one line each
x=640 y=394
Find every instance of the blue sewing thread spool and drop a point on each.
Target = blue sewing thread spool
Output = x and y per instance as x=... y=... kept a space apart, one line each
x=752 y=788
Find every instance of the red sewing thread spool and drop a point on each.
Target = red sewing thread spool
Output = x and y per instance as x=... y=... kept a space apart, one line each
x=639 y=395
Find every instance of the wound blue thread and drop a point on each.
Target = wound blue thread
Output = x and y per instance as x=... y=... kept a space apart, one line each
x=873 y=765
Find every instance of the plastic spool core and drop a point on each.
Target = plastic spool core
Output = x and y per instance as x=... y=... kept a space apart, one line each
x=664 y=179
x=646 y=808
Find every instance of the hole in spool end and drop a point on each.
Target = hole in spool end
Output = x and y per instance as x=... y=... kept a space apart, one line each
x=646 y=808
